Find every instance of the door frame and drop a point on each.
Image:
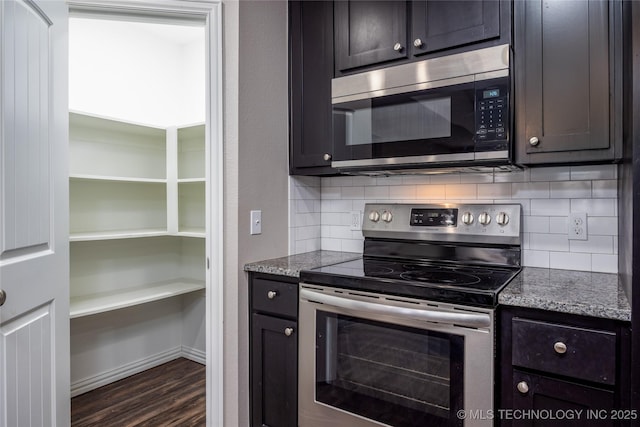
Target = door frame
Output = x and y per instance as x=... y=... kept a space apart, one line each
x=209 y=13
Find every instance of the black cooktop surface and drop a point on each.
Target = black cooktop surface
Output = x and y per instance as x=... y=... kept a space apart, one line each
x=461 y=284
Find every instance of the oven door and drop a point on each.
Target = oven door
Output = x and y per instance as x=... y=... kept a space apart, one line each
x=371 y=360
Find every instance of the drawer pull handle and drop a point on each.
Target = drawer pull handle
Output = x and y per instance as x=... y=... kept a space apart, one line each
x=272 y=294
x=523 y=387
x=288 y=331
x=560 y=347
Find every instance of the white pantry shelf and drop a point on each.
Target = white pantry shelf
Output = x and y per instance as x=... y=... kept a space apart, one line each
x=192 y=232
x=183 y=180
x=87 y=305
x=118 y=234
x=87 y=177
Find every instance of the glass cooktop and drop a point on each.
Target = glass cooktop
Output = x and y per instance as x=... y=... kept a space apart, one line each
x=462 y=284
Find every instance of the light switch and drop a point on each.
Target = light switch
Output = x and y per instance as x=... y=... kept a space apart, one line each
x=256 y=222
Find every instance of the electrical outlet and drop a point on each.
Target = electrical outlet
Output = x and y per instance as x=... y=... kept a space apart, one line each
x=577 y=226
x=356 y=221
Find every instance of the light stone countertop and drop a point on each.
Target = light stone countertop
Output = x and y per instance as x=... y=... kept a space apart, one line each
x=568 y=291
x=565 y=291
x=291 y=265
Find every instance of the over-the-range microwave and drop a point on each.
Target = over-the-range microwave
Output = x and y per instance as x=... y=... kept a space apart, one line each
x=446 y=112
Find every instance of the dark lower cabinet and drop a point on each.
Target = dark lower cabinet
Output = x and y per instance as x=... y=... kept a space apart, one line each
x=566 y=403
x=568 y=75
x=562 y=370
x=273 y=373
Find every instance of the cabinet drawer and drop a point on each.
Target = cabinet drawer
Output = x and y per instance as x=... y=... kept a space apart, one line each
x=274 y=297
x=586 y=354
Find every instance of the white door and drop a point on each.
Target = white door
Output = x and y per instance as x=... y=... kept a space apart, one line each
x=34 y=249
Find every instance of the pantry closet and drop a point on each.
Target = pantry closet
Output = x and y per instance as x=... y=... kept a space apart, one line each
x=137 y=193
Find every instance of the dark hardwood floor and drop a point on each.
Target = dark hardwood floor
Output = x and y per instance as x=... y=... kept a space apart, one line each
x=172 y=394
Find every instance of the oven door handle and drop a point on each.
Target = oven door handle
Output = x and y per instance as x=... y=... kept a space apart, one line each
x=475 y=320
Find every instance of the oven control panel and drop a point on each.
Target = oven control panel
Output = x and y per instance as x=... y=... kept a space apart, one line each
x=499 y=223
x=421 y=217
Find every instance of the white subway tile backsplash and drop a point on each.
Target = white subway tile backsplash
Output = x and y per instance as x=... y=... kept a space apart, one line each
x=389 y=180
x=558 y=224
x=460 y=191
x=400 y=192
x=602 y=225
x=378 y=192
x=604 y=263
x=328 y=244
x=331 y=193
x=605 y=189
x=353 y=245
x=494 y=191
x=430 y=192
x=535 y=258
x=320 y=209
x=550 y=207
x=535 y=224
x=593 y=172
x=548 y=242
x=593 y=245
x=570 y=189
x=515 y=176
x=594 y=207
x=352 y=192
x=570 y=261
x=556 y=173
x=530 y=190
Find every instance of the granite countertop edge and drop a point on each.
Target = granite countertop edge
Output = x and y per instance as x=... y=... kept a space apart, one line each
x=567 y=291
x=291 y=265
x=538 y=288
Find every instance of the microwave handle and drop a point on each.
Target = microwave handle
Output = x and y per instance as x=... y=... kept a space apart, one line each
x=477 y=320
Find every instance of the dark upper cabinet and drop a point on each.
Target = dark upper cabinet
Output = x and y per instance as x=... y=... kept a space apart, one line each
x=567 y=75
x=310 y=74
x=371 y=34
x=438 y=25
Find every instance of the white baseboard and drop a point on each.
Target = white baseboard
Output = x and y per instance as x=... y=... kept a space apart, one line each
x=194 y=354
x=90 y=383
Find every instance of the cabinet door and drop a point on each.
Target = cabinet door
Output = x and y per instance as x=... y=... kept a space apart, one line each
x=274 y=372
x=537 y=393
x=438 y=25
x=563 y=81
x=311 y=70
x=369 y=32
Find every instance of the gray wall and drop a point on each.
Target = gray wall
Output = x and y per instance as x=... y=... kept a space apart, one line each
x=256 y=145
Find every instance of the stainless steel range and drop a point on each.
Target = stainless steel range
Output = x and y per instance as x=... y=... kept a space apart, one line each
x=405 y=336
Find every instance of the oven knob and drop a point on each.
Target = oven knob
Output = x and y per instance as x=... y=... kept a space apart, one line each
x=502 y=219
x=467 y=218
x=484 y=218
x=374 y=216
x=386 y=216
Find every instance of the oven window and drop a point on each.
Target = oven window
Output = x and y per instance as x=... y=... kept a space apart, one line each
x=393 y=374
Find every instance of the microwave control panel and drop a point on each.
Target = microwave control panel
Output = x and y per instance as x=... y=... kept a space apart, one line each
x=492 y=110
